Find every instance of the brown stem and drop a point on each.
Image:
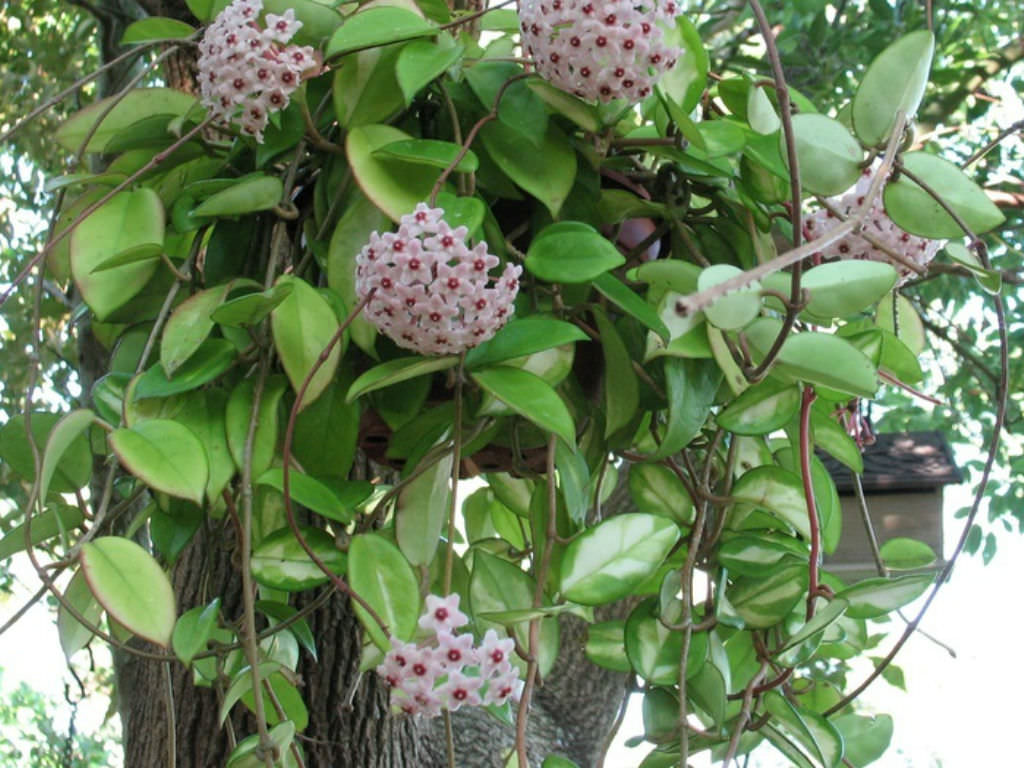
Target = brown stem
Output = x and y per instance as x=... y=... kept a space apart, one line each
x=812 y=507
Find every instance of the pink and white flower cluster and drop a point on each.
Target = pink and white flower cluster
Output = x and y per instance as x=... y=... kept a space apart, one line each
x=434 y=294
x=246 y=71
x=600 y=49
x=919 y=250
x=448 y=671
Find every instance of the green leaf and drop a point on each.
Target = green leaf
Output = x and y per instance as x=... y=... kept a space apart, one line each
x=73 y=635
x=299 y=628
x=165 y=455
x=547 y=173
x=916 y=211
x=894 y=82
x=188 y=326
x=251 y=194
x=375 y=27
x=627 y=300
x=309 y=492
x=823 y=619
x=524 y=336
x=303 y=325
x=757 y=554
x=777 y=490
x=53 y=521
x=422 y=510
x=867 y=738
x=691 y=387
x=432 y=152
x=760 y=113
x=210 y=360
x=608 y=561
x=871 y=598
x=685 y=82
x=251 y=308
x=392 y=185
x=394 y=371
x=118 y=112
x=193 y=630
x=621 y=388
x=833 y=439
x=817 y=358
x=326 y=433
x=520 y=109
x=766 y=601
x=813 y=731
x=606 y=645
x=654 y=650
x=239 y=414
x=735 y=309
x=571 y=252
x=248 y=753
x=678 y=276
x=131 y=586
x=129 y=224
x=66 y=434
x=318 y=21
x=529 y=396
x=991 y=280
x=156 y=28
x=554 y=761
x=586 y=116
x=902 y=554
x=844 y=288
x=656 y=490
x=829 y=157
x=280 y=562
x=761 y=409
x=379 y=574
x=422 y=61
x=498 y=585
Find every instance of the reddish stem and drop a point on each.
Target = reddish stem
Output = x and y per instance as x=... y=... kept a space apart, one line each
x=812 y=508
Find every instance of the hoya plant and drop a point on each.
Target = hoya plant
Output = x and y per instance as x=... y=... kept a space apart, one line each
x=452 y=374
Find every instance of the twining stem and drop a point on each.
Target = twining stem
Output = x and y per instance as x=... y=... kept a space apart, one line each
x=744 y=716
x=449 y=556
x=814 y=523
x=286 y=452
x=250 y=644
x=541 y=575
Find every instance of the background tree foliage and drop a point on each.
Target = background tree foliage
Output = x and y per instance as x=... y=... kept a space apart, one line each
x=824 y=48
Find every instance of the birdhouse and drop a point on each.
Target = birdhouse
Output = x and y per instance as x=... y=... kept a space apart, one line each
x=903 y=481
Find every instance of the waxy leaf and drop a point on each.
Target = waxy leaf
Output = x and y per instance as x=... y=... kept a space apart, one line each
x=916 y=211
x=762 y=408
x=251 y=308
x=131 y=586
x=817 y=358
x=571 y=252
x=422 y=61
x=188 y=326
x=67 y=434
x=74 y=635
x=629 y=302
x=547 y=173
x=379 y=574
x=691 y=387
x=253 y=193
x=280 y=562
x=902 y=554
x=871 y=598
x=309 y=492
x=814 y=732
x=156 y=28
x=735 y=309
x=829 y=157
x=165 y=455
x=121 y=111
x=765 y=601
x=758 y=554
x=392 y=185
x=303 y=325
x=529 y=396
x=678 y=276
x=377 y=27
x=193 y=630
x=606 y=645
x=238 y=417
x=439 y=154
x=421 y=512
x=654 y=650
x=656 y=490
x=777 y=490
x=130 y=224
x=621 y=388
x=524 y=336
x=894 y=82
x=844 y=288
x=56 y=519
x=610 y=560
x=866 y=738
x=824 y=618
x=210 y=360
x=394 y=371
